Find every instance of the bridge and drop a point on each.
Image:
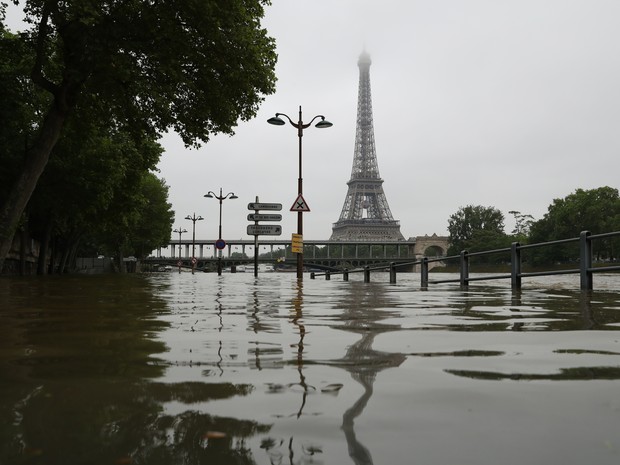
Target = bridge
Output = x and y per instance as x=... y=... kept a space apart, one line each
x=322 y=254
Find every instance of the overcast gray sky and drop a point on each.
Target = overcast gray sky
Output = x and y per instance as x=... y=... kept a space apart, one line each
x=503 y=103
x=497 y=103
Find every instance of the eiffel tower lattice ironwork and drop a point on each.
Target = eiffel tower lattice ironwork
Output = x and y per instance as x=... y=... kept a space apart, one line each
x=366 y=214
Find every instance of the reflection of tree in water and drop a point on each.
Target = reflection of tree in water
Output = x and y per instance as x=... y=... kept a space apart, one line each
x=111 y=422
x=79 y=385
x=362 y=310
x=537 y=310
x=583 y=311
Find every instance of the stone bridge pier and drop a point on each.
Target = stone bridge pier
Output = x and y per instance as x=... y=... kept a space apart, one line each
x=429 y=246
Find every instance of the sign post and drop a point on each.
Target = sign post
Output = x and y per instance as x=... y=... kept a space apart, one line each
x=259 y=229
x=255 y=237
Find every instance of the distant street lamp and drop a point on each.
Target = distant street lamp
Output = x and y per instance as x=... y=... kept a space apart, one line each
x=220 y=244
x=277 y=121
x=193 y=219
x=180 y=231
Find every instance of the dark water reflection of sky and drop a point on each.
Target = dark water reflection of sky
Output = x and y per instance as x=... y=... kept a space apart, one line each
x=190 y=369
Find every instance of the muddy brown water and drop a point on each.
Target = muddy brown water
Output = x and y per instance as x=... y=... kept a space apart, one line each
x=175 y=368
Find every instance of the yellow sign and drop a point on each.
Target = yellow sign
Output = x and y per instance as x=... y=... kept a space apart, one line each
x=297 y=243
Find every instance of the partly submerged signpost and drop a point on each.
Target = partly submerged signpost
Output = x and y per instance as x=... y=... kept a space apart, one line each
x=263 y=229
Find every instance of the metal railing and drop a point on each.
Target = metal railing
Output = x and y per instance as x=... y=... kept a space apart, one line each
x=586 y=270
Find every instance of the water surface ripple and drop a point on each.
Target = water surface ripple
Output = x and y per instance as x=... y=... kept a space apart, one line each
x=203 y=369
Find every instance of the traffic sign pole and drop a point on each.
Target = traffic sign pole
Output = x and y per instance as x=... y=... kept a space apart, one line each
x=257 y=229
x=255 y=240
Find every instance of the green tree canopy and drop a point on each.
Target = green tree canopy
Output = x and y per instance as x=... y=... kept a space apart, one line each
x=595 y=210
x=466 y=225
x=195 y=66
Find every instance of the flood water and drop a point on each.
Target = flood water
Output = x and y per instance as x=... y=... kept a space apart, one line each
x=175 y=368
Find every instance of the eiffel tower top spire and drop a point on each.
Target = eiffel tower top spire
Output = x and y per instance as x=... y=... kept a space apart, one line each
x=366 y=214
x=365 y=160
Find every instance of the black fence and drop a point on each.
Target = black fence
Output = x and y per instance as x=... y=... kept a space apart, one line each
x=586 y=270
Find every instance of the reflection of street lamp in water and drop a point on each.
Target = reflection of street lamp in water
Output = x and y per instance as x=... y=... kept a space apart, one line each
x=298 y=315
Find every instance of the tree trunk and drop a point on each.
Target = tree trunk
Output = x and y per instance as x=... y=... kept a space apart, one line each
x=43 y=249
x=63 y=261
x=22 y=251
x=34 y=164
x=121 y=262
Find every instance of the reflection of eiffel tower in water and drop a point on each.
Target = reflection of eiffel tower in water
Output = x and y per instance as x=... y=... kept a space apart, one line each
x=366 y=214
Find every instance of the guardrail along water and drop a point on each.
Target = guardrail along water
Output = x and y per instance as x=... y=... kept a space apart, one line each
x=586 y=269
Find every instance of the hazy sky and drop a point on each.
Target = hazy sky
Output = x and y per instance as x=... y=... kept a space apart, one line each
x=503 y=103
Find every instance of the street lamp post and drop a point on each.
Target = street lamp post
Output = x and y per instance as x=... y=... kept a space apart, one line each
x=193 y=219
x=300 y=126
x=220 y=243
x=180 y=231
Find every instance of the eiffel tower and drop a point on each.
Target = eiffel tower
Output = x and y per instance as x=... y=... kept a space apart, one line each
x=366 y=215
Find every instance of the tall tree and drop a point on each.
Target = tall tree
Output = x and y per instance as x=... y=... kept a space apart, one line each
x=196 y=66
x=92 y=168
x=466 y=224
x=523 y=224
x=595 y=210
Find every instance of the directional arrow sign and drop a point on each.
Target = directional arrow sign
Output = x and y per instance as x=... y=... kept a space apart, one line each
x=264 y=217
x=265 y=206
x=264 y=230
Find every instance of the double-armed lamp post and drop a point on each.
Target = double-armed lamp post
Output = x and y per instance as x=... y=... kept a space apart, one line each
x=300 y=126
x=193 y=219
x=180 y=231
x=220 y=244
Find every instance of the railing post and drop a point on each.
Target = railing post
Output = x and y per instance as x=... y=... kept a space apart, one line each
x=585 y=261
x=366 y=274
x=515 y=266
x=327 y=276
x=424 y=272
x=464 y=268
x=392 y=273
x=345 y=275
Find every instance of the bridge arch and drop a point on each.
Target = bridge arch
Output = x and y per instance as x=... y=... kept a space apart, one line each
x=431 y=246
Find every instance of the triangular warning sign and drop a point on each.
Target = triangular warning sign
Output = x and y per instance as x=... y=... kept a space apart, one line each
x=300 y=205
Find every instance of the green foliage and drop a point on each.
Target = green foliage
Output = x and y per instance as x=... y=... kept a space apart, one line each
x=523 y=224
x=595 y=210
x=465 y=227
x=154 y=226
x=20 y=101
x=137 y=220
x=196 y=66
x=130 y=68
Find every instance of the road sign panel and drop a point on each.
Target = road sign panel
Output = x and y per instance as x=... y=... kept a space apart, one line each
x=297 y=243
x=264 y=217
x=300 y=205
x=220 y=244
x=265 y=206
x=264 y=230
